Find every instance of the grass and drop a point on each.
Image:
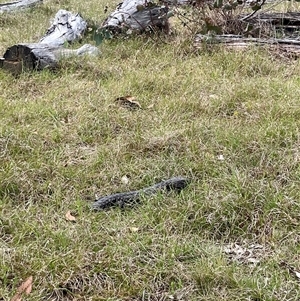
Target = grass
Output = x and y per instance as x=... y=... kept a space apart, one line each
x=64 y=140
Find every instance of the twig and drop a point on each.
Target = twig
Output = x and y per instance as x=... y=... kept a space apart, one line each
x=253 y=13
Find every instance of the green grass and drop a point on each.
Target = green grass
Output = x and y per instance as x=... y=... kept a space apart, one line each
x=63 y=140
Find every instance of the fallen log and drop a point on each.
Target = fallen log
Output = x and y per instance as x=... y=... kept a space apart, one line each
x=265 y=23
x=38 y=56
x=291 y=46
x=140 y=15
x=13 y=6
x=66 y=28
x=289 y=18
x=136 y=16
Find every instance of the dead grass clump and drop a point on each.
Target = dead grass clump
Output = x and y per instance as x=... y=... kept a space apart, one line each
x=171 y=141
x=80 y=285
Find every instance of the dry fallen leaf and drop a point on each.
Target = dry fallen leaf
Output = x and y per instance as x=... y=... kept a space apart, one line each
x=16 y=297
x=25 y=287
x=128 y=102
x=125 y=180
x=70 y=217
x=150 y=106
x=134 y=229
x=221 y=158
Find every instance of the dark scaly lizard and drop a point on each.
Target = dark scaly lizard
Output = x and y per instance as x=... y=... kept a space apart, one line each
x=131 y=197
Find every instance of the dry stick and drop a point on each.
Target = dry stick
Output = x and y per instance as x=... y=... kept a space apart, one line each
x=253 y=13
x=272 y=6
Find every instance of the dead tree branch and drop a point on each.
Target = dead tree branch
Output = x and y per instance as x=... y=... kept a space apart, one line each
x=18 y=5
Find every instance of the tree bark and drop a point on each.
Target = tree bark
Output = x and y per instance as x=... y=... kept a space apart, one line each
x=13 y=6
x=66 y=28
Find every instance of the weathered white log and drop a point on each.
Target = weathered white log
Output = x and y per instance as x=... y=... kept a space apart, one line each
x=17 y=5
x=291 y=46
x=137 y=15
x=66 y=28
x=237 y=39
x=288 y=18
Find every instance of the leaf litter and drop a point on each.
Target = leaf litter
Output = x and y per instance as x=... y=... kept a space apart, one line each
x=25 y=287
x=248 y=254
x=70 y=217
x=128 y=102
